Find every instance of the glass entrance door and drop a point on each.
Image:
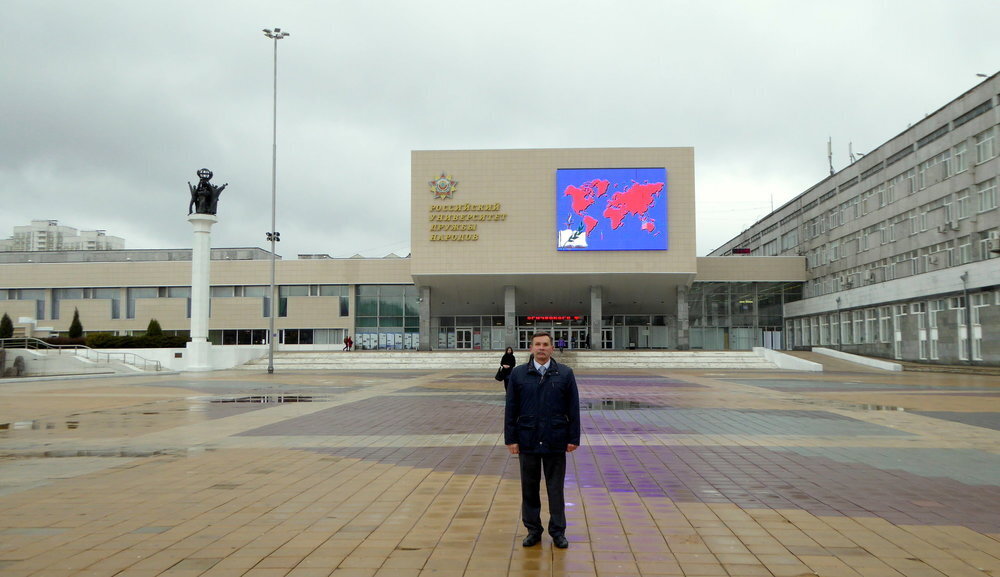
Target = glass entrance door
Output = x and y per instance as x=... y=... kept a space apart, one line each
x=607 y=338
x=463 y=338
x=524 y=339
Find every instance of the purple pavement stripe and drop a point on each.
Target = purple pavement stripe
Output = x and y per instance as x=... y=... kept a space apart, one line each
x=752 y=478
x=395 y=415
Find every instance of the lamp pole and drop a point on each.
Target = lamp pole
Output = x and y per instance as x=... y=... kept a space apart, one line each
x=275 y=35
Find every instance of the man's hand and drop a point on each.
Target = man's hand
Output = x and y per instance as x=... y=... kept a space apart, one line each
x=571 y=448
x=513 y=449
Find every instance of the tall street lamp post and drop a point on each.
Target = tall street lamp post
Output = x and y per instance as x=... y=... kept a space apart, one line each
x=272 y=236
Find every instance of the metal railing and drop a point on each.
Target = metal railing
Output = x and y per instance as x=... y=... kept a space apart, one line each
x=82 y=351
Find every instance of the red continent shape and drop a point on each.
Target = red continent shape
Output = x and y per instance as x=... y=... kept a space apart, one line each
x=590 y=222
x=601 y=187
x=616 y=215
x=636 y=199
x=582 y=197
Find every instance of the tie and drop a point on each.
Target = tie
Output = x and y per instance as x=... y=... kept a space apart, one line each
x=541 y=371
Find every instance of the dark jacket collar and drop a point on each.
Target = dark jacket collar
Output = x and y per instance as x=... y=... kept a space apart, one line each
x=553 y=367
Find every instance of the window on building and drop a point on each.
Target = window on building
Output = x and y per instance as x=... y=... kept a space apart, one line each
x=987 y=193
x=960 y=158
x=933 y=170
x=978 y=300
x=909 y=182
x=218 y=292
x=790 y=239
x=887 y=192
x=387 y=313
x=871 y=326
x=963 y=204
x=986 y=145
x=884 y=323
x=965 y=250
x=869 y=200
x=846 y=336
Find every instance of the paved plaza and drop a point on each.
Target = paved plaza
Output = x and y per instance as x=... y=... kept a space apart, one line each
x=403 y=473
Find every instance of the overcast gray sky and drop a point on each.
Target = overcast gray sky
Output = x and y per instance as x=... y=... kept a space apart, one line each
x=109 y=107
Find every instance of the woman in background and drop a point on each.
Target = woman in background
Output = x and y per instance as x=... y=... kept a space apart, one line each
x=507 y=363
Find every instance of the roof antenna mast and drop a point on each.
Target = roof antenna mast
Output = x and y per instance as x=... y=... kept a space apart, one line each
x=829 y=153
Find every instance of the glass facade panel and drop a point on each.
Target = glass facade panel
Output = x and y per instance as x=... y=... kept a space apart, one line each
x=367 y=306
x=737 y=316
x=386 y=316
x=293 y=291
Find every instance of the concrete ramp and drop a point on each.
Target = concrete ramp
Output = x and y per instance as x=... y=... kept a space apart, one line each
x=51 y=363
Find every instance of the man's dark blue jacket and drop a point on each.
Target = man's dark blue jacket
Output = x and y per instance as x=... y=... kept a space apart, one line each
x=542 y=414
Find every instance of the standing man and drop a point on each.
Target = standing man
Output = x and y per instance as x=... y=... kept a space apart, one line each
x=541 y=425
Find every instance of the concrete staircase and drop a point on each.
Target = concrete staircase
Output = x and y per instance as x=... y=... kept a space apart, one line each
x=490 y=360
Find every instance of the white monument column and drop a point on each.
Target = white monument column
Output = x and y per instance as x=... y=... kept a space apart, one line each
x=199 y=350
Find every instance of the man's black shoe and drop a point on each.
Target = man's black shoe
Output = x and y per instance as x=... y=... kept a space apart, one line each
x=560 y=541
x=531 y=540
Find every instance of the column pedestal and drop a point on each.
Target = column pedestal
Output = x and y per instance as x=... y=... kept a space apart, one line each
x=199 y=350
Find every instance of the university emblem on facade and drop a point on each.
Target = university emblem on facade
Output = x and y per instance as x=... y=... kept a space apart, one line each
x=444 y=187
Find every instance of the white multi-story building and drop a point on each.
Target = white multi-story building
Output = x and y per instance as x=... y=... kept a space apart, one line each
x=902 y=245
x=48 y=235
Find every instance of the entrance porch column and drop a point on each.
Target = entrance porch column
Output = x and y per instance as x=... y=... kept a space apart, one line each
x=596 y=314
x=510 y=316
x=425 y=318
x=683 y=320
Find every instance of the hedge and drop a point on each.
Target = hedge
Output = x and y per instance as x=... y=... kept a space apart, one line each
x=110 y=341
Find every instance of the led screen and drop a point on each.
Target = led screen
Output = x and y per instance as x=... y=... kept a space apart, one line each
x=611 y=209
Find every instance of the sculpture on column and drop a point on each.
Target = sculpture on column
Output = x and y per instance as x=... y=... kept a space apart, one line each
x=205 y=196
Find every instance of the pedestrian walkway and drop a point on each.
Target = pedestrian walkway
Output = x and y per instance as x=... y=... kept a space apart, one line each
x=404 y=473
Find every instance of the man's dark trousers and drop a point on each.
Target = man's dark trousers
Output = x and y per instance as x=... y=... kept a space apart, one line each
x=532 y=466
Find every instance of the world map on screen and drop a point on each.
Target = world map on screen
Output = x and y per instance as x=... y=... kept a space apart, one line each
x=611 y=209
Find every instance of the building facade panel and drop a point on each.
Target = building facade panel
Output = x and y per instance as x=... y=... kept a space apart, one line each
x=910 y=225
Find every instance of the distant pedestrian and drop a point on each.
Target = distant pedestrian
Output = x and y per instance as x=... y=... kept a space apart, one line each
x=561 y=344
x=348 y=343
x=507 y=363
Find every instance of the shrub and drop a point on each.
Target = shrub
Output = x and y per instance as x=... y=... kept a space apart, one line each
x=154 y=330
x=110 y=341
x=6 y=327
x=65 y=341
x=76 y=327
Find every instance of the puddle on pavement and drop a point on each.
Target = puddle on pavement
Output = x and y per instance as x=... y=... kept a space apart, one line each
x=269 y=399
x=855 y=406
x=611 y=404
x=148 y=417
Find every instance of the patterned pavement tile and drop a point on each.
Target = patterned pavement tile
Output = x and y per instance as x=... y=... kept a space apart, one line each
x=987 y=420
x=404 y=473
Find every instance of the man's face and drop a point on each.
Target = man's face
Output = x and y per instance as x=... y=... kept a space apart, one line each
x=541 y=347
